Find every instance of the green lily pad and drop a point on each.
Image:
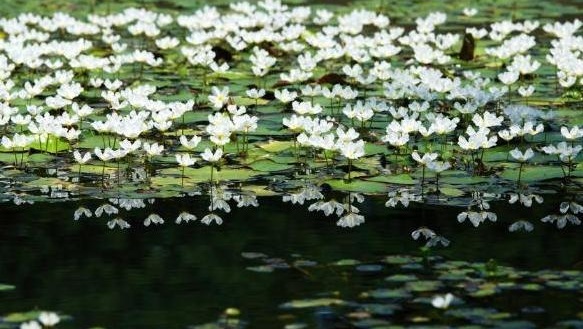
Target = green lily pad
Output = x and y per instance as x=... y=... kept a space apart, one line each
x=401 y=259
x=357 y=186
x=423 y=285
x=52 y=145
x=346 y=262
x=477 y=314
x=269 y=166
x=451 y=191
x=311 y=303
x=389 y=293
x=537 y=173
x=485 y=290
x=380 y=309
x=402 y=179
x=401 y=278
x=261 y=269
x=246 y=101
x=200 y=175
x=276 y=146
x=21 y=317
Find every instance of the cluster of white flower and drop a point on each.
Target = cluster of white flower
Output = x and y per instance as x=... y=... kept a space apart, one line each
x=350 y=80
x=218 y=201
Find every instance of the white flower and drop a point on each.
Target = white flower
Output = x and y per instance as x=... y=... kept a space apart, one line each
x=525 y=200
x=245 y=123
x=426 y=159
x=438 y=166
x=255 y=93
x=81 y=211
x=327 y=208
x=219 y=97
x=17 y=141
x=82 y=159
x=190 y=143
x=153 y=149
x=118 y=222
x=573 y=206
x=565 y=152
x=476 y=218
x=49 y=319
x=219 y=68
x=423 y=231
x=129 y=146
x=208 y=219
x=107 y=154
x=521 y=225
x=70 y=91
x=350 y=220
x=184 y=160
x=470 y=12
x=167 y=42
x=19 y=119
x=526 y=91
x=477 y=139
x=30 y=325
x=402 y=196
x=562 y=220
x=508 y=77
x=487 y=120
x=353 y=150
x=107 y=209
x=285 y=96
x=437 y=240
x=304 y=108
x=522 y=157
x=236 y=110
x=442 y=302
x=246 y=200
x=523 y=64
x=209 y=156
x=185 y=217
x=153 y=219
x=572 y=134
x=112 y=85
x=346 y=137
x=96 y=82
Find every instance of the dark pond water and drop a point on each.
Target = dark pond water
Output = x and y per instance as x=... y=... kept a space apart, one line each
x=172 y=276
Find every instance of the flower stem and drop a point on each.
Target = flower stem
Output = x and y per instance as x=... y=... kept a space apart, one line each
x=519 y=173
x=182 y=178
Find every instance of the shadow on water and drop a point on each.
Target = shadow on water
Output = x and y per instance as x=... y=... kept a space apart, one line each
x=172 y=275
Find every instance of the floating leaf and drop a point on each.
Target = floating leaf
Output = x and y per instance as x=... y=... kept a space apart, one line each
x=422 y=286
x=401 y=259
x=389 y=293
x=380 y=309
x=269 y=166
x=310 y=303
x=21 y=317
x=357 y=186
x=369 y=268
x=401 y=278
x=246 y=101
x=253 y=255
x=402 y=179
x=347 y=262
x=261 y=268
x=276 y=146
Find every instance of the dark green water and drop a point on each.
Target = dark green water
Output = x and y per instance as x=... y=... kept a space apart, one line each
x=172 y=276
